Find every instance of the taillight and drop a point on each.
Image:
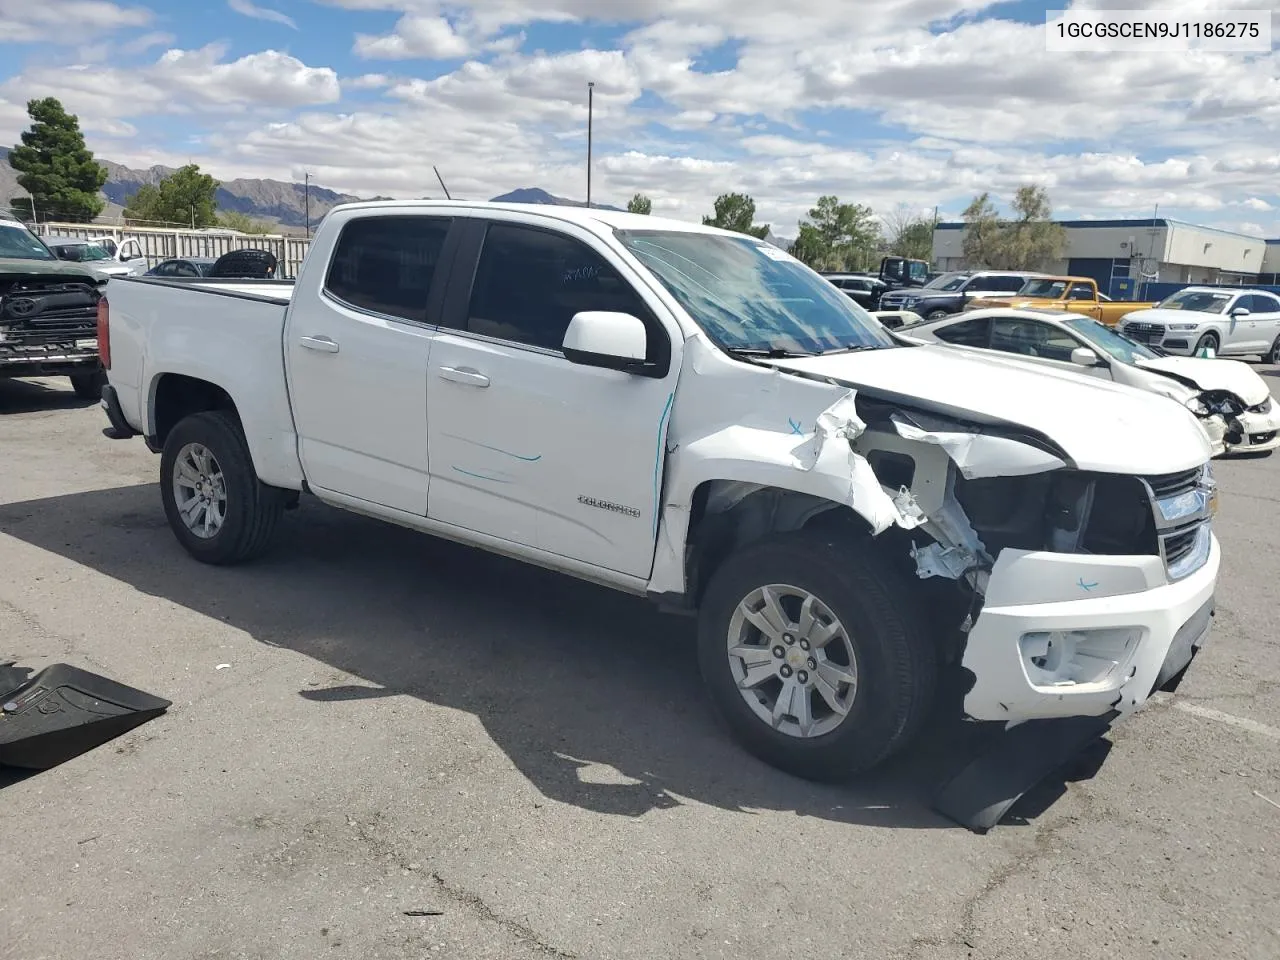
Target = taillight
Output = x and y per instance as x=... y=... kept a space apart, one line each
x=104 y=333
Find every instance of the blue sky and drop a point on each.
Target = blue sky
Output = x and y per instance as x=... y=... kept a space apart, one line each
x=905 y=105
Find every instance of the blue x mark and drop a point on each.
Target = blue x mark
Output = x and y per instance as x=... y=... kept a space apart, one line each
x=795 y=427
x=1086 y=586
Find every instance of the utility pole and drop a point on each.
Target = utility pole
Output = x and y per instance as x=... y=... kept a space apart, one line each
x=306 y=199
x=591 y=97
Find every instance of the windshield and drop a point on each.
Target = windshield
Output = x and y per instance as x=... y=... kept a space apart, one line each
x=1047 y=289
x=748 y=295
x=80 y=252
x=19 y=243
x=1199 y=301
x=1109 y=341
x=948 y=281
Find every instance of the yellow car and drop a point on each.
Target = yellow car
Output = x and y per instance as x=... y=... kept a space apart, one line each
x=1072 y=294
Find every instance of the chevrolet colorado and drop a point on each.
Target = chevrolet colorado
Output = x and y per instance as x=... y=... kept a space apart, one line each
x=692 y=415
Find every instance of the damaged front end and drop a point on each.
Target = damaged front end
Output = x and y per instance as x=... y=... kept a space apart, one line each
x=1234 y=426
x=1088 y=591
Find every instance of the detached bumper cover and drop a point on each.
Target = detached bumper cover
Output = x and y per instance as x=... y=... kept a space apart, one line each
x=1102 y=634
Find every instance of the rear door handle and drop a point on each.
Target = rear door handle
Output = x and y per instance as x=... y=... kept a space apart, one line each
x=472 y=378
x=323 y=344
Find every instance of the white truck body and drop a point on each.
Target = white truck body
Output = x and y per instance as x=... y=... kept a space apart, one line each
x=441 y=423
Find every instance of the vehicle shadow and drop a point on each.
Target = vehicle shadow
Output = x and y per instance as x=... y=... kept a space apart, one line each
x=563 y=675
x=36 y=395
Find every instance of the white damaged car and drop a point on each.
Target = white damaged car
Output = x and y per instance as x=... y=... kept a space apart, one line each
x=1232 y=403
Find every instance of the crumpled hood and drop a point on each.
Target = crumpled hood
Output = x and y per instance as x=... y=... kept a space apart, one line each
x=1233 y=376
x=1102 y=426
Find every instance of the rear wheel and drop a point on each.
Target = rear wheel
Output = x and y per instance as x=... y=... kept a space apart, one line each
x=1273 y=355
x=814 y=655
x=88 y=386
x=216 y=505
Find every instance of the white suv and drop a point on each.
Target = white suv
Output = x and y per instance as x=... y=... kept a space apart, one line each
x=1231 y=321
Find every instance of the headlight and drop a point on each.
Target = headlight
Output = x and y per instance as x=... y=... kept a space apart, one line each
x=1263 y=407
x=1183 y=326
x=1198 y=407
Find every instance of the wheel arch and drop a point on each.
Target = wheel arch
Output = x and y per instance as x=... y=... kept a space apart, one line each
x=174 y=395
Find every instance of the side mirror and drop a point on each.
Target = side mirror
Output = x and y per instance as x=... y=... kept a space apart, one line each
x=601 y=338
x=1240 y=312
x=1084 y=357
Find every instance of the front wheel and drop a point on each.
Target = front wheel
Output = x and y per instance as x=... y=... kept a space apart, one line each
x=88 y=386
x=815 y=655
x=1207 y=342
x=937 y=314
x=216 y=505
x=1273 y=355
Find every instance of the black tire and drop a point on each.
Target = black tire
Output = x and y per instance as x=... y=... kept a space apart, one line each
x=1273 y=355
x=937 y=314
x=1208 y=339
x=897 y=661
x=88 y=386
x=252 y=510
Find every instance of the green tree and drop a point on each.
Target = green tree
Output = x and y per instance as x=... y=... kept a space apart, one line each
x=839 y=236
x=185 y=197
x=640 y=204
x=1028 y=241
x=736 y=212
x=55 y=167
x=235 y=220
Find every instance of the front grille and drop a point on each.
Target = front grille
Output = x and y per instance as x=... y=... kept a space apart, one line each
x=1178 y=545
x=63 y=331
x=1183 y=505
x=1173 y=484
x=1256 y=438
x=1149 y=333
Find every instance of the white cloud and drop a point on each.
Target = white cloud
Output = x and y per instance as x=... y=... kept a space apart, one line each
x=368 y=81
x=180 y=81
x=65 y=21
x=145 y=42
x=248 y=8
x=431 y=38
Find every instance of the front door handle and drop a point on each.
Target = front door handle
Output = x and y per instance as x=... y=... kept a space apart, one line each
x=472 y=378
x=323 y=344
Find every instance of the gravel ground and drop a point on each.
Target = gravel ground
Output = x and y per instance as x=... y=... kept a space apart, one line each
x=370 y=722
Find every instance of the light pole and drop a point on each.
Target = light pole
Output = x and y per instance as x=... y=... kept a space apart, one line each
x=306 y=199
x=591 y=99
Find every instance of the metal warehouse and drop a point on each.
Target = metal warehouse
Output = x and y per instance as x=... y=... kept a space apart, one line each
x=1122 y=254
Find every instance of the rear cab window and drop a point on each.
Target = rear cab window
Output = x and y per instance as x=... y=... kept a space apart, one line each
x=387 y=265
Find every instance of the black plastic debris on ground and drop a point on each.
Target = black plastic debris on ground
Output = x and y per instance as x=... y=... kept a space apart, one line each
x=63 y=711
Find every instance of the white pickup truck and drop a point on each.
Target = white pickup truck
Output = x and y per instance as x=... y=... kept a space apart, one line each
x=694 y=416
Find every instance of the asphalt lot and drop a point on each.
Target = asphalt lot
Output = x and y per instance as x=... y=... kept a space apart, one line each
x=369 y=722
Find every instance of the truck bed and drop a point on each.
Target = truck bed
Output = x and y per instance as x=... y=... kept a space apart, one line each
x=225 y=332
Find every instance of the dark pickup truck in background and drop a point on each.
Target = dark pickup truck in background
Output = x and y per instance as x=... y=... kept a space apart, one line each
x=48 y=313
x=951 y=292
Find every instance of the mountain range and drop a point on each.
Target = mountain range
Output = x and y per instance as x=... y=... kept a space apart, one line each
x=281 y=203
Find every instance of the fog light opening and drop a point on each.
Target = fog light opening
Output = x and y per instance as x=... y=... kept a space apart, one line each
x=1067 y=658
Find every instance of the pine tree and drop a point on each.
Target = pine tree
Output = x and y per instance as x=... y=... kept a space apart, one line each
x=55 y=167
